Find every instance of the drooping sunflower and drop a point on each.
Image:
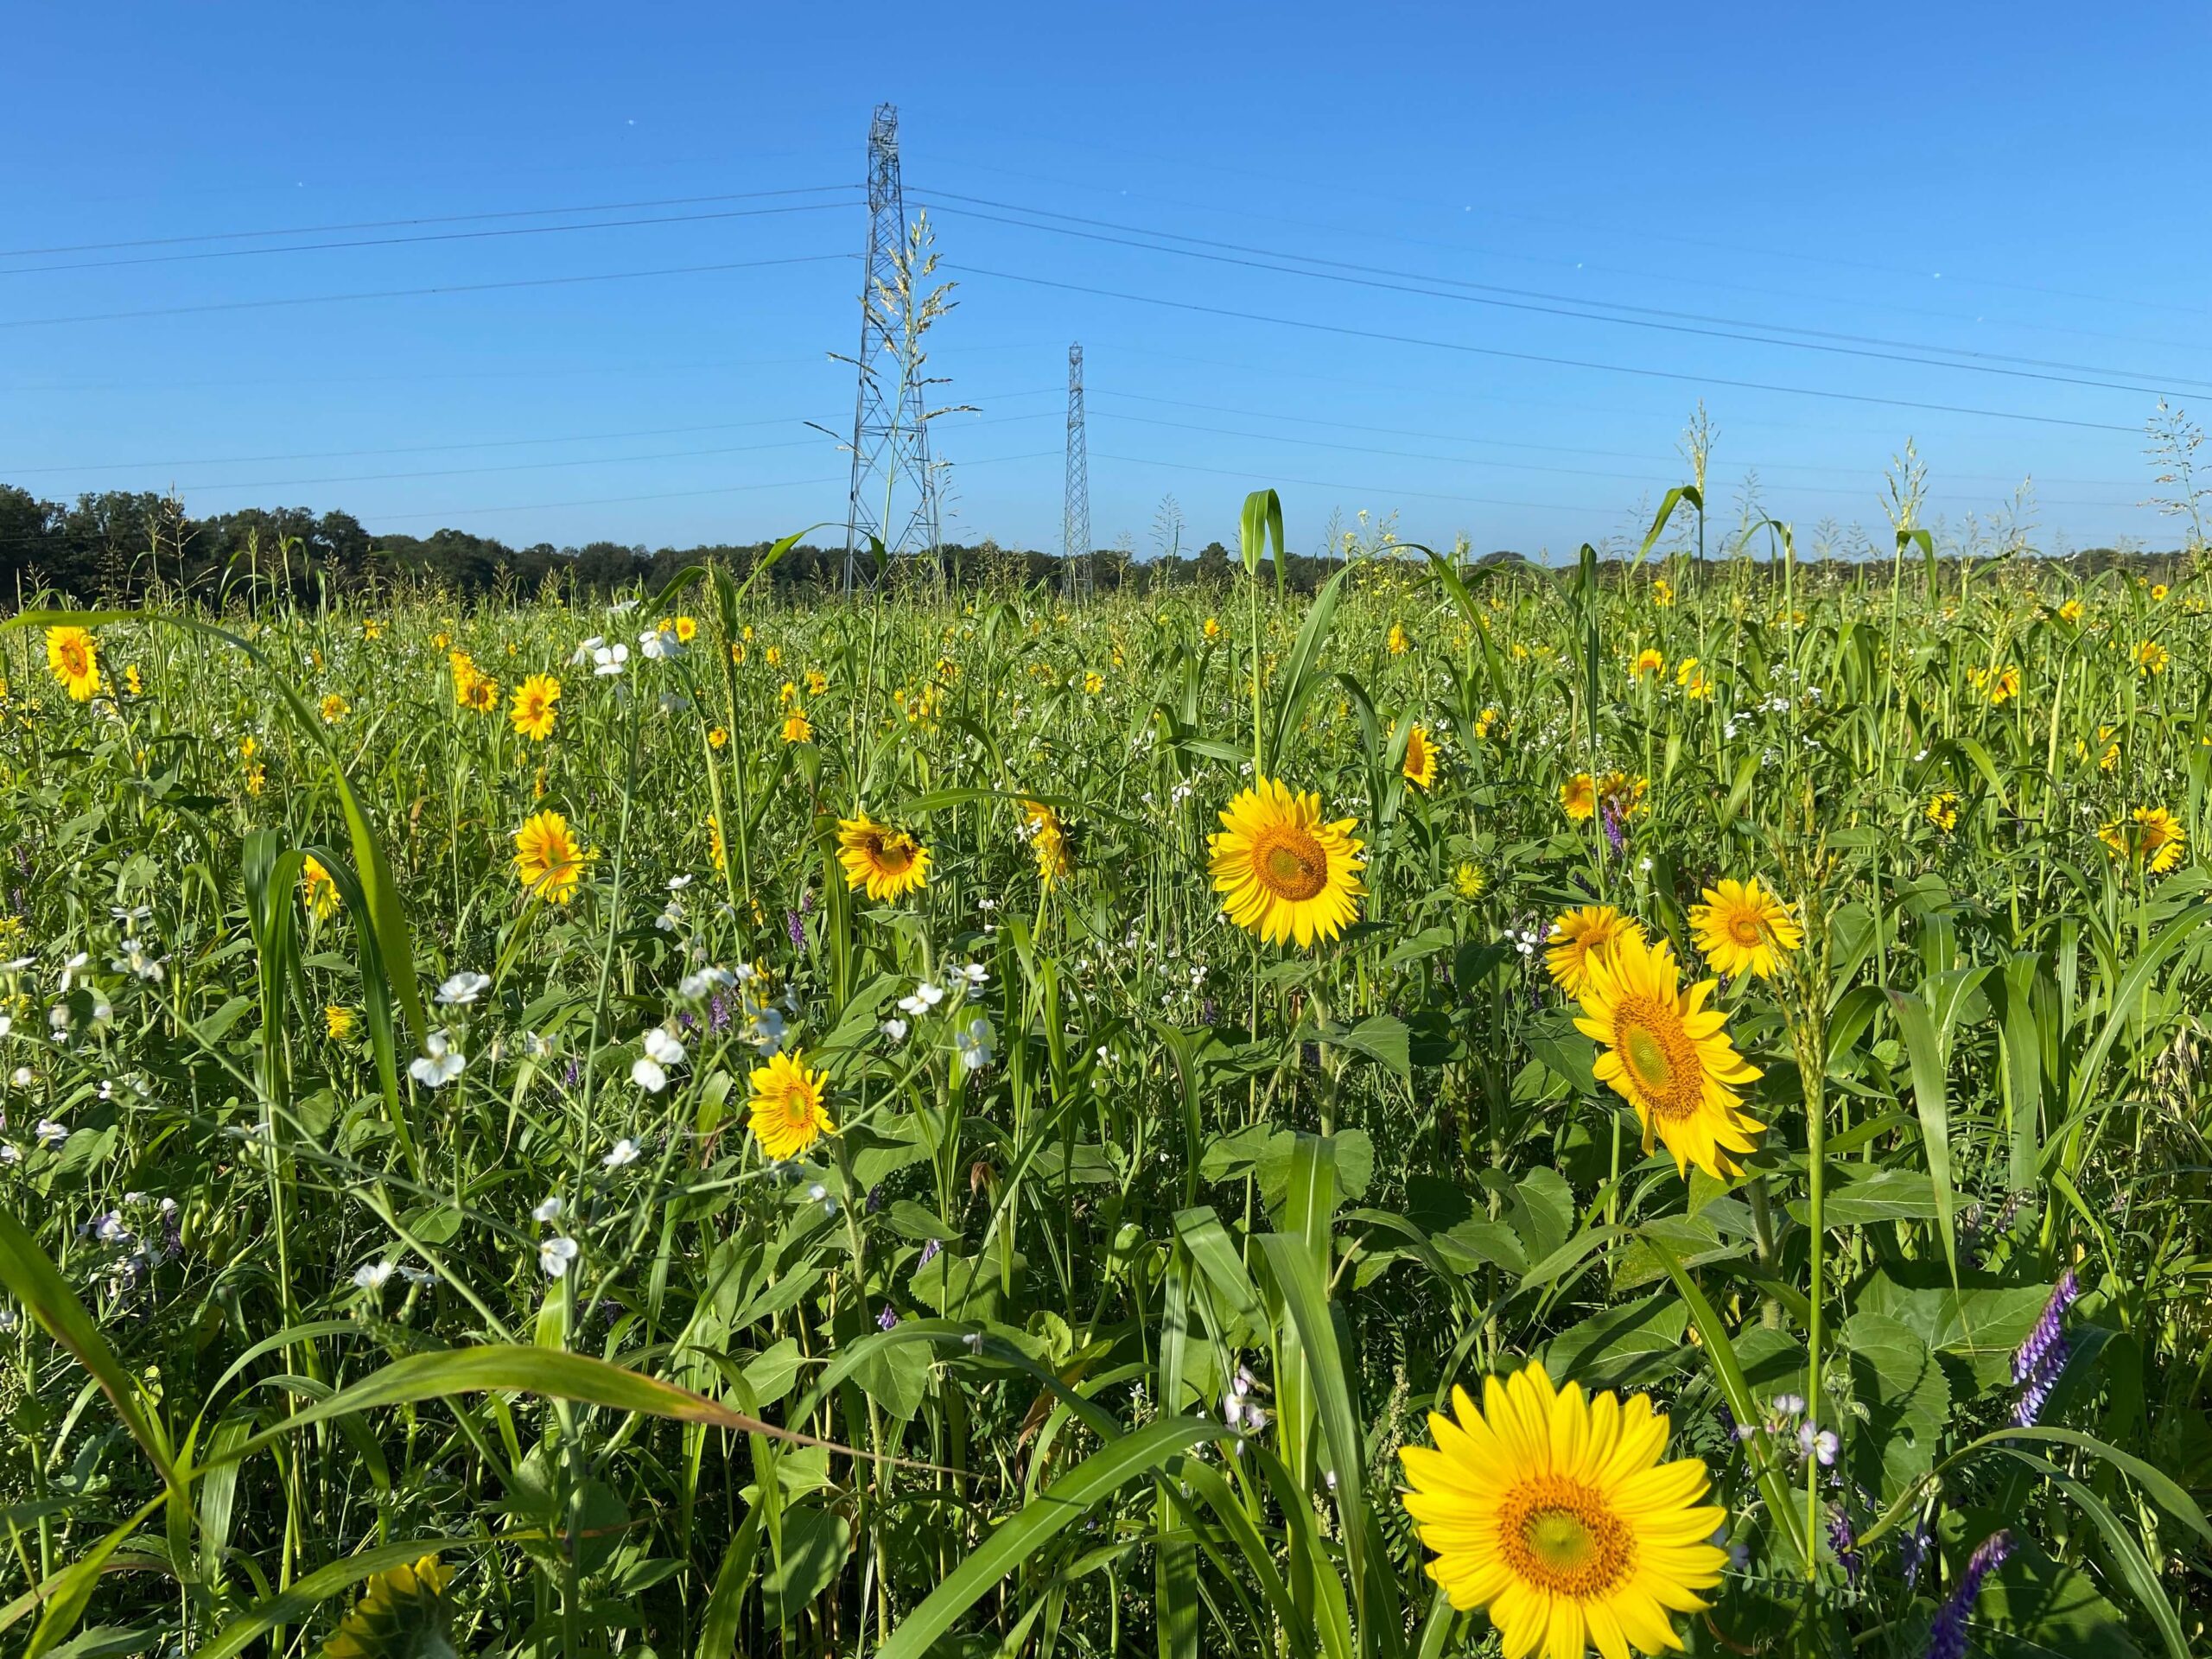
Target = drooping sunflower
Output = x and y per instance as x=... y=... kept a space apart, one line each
x=536 y=706
x=1283 y=871
x=318 y=891
x=549 y=860
x=1420 y=764
x=1048 y=843
x=1555 y=1513
x=1742 y=928
x=401 y=1611
x=1581 y=937
x=888 y=863
x=74 y=657
x=2149 y=835
x=787 y=1113
x=1669 y=1055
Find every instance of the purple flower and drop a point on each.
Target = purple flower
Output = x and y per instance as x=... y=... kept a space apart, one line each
x=1947 y=1636
x=718 y=1013
x=1913 y=1552
x=1615 y=836
x=1845 y=1542
x=930 y=1248
x=572 y=1074
x=2041 y=1357
x=888 y=1319
x=684 y=1019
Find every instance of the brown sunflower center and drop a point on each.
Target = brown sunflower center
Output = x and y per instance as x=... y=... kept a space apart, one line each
x=1661 y=1059
x=893 y=852
x=1290 y=862
x=73 y=659
x=1560 y=1536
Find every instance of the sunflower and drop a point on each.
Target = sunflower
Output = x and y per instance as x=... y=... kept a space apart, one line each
x=1398 y=641
x=401 y=1611
x=318 y=890
x=788 y=1116
x=1663 y=592
x=1420 y=758
x=334 y=709
x=1648 y=662
x=338 y=1021
x=1581 y=937
x=2151 y=658
x=133 y=681
x=1577 y=797
x=816 y=681
x=74 y=657
x=1470 y=881
x=2150 y=835
x=1669 y=1055
x=889 y=863
x=798 y=728
x=716 y=852
x=1743 y=929
x=2070 y=612
x=549 y=860
x=482 y=695
x=717 y=737
x=1048 y=842
x=1554 y=1513
x=1942 y=810
x=1287 y=874
x=536 y=706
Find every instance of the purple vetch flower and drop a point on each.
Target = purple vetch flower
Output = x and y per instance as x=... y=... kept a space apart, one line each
x=2041 y=1357
x=572 y=1074
x=1913 y=1552
x=888 y=1320
x=1845 y=1542
x=1615 y=836
x=930 y=1248
x=685 y=1019
x=1947 y=1636
x=719 y=1013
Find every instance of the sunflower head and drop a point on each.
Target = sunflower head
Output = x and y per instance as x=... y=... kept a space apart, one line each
x=1470 y=881
x=334 y=709
x=798 y=728
x=1421 y=763
x=1048 y=843
x=318 y=890
x=1582 y=937
x=1669 y=1055
x=536 y=706
x=549 y=860
x=1743 y=929
x=402 y=1610
x=1648 y=662
x=1557 y=1514
x=887 y=863
x=1577 y=797
x=2150 y=836
x=787 y=1112
x=339 y=1021
x=1283 y=872
x=1942 y=810
x=74 y=657
x=482 y=695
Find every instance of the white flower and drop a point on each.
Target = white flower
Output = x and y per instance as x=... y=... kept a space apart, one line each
x=21 y=1077
x=662 y=1045
x=767 y=1030
x=441 y=1062
x=103 y=1010
x=660 y=644
x=677 y=883
x=7 y=1024
x=625 y=1152
x=610 y=659
x=648 y=1076
x=554 y=1254
x=975 y=973
x=895 y=1030
x=135 y=960
x=462 y=989
x=10 y=1152
x=548 y=1211
x=418 y=1275
x=926 y=997
x=371 y=1276
x=69 y=971
x=974 y=1042
x=49 y=1133
x=622 y=606
x=693 y=986
x=110 y=1229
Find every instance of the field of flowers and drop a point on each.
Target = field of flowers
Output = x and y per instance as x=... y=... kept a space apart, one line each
x=1610 y=1109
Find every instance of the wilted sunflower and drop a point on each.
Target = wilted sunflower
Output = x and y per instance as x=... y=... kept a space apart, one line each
x=536 y=706
x=549 y=860
x=318 y=891
x=888 y=863
x=1554 y=1513
x=1284 y=873
x=787 y=1114
x=1668 y=1056
x=1581 y=937
x=1742 y=928
x=1048 y=843
x=1420 y=765
x=2150 y=835
x=74 y=657
x=402 y=1611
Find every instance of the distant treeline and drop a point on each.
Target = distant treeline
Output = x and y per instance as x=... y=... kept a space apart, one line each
x=118 y=545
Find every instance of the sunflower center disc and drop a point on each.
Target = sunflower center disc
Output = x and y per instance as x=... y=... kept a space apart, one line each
x=1646 y=1058
x=1743 y=928
x=1559 y=1535
x=1292 y=866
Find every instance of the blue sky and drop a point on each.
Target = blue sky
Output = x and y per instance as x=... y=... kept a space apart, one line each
x=1492 y=258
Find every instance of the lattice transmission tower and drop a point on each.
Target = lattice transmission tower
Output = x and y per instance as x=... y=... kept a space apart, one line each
x=890 y=436
x=1075 y=515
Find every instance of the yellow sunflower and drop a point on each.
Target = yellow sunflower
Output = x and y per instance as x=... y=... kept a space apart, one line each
x=888 y=863
x=1743 y=929
x=1648 y=662
x=1048 y=842
x=400 y=1610
x=788 y=1116
x=482 y=695
x=334 y=709
x=1668 y=1056
x=338 y=1021
x=1577 y=797
x=536 y=706
x=2070 y=612
x=1942 y=810
x=1398 y=642
x=1554 y=1513
x=2150 y=835
x=318 y=891
x=74 y=657
x=1581 y=937
x=2151 y=658
x=1470 y=881
x=1285 y=871
x=1420 y=765
x=798 y=728
x=549 y=860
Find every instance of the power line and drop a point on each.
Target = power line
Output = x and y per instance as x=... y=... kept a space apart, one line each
x=1560 y=306
x=404 y=224
x=410 y=293
x=1535 y=357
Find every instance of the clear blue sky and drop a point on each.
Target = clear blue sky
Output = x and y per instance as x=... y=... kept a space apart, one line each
x=1923 y=182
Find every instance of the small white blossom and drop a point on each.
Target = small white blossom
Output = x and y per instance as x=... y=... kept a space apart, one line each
x=610 y=659
x=662 y=1045
x=625 y=1152
x=648 y=1076
x=926 y=997
x=974 y=1042
x=50 y=1133
x=440 y=1064
x=371 y=1276
x=895 y=1030
x=549 y=1209
x=976 y=975
x=462 y=989
x=554 y=1254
